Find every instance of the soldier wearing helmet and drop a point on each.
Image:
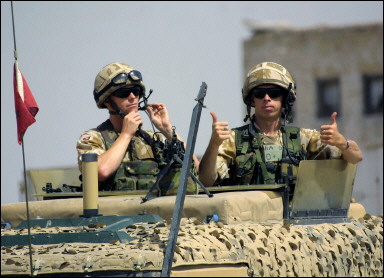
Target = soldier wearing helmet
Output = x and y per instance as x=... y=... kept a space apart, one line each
x=127 y=156
x=262 y=151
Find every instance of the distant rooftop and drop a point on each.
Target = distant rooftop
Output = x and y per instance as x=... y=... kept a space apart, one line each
x=256 y=26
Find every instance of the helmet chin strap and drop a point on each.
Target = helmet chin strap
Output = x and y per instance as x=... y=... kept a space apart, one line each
x=287 y=115
x=117 y=111
x=248 y=116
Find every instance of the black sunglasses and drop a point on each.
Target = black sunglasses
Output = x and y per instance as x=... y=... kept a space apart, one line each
x=121 y=79
x=125 y=92
x=272 y=92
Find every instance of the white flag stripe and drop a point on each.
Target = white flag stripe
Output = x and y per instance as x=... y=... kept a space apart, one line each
x=19 y=81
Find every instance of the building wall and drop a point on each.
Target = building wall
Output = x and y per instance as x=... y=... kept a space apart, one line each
x=347 y=53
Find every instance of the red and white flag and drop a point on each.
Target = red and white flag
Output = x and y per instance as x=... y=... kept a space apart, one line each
x=25 y=104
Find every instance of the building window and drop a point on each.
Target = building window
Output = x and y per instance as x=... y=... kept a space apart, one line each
x=328 y=97
x=373 y=94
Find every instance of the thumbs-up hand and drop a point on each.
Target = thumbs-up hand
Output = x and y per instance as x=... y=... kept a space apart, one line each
x=220 y=131
x=330 y=135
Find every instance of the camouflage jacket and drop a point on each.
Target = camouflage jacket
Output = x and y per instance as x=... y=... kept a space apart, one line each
x=229 y=158
x=138 y=169
x=141 y=163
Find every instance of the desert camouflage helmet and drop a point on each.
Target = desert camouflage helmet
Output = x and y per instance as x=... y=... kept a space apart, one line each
x=103 y=87
x=268 y=73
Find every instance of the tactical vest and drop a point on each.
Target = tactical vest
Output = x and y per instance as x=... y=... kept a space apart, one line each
x=250 y=166
x=141 y=174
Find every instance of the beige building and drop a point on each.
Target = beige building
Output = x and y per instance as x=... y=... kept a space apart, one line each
x=338 y=68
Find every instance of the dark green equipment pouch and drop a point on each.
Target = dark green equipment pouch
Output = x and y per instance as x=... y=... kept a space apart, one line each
x=137 y=175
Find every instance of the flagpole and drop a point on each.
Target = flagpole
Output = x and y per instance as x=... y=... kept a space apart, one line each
x=25 y=173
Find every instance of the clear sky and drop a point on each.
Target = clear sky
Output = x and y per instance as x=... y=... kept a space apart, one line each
x=176 y=45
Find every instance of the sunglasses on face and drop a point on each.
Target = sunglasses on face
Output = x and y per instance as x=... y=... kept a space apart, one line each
x=125 y=92
x=121 y=79
x=272 y=92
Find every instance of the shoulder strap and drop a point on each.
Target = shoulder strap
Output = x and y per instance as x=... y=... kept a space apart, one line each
x=242 y=139
x=107 y=131
x=146 y=137
x=291 y=139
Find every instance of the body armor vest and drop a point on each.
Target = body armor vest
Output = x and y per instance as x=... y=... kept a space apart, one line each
x=141 y=174
x=250 y=165
x=131 y=175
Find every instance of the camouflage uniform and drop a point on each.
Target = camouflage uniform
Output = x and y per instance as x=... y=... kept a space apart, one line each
x=92 y=141
x=310 y=142
x=140 y=166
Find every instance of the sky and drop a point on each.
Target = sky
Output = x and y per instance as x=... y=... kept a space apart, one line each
x=176 y=46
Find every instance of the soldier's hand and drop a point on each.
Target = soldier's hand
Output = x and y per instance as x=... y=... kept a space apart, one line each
x=159 y=115
x=220 y=131
x=131 y=123
x=330 y=135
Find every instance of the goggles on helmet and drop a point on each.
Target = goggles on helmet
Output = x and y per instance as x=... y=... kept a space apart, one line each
x=126 y=91
x=272 y=92
x=122 y=78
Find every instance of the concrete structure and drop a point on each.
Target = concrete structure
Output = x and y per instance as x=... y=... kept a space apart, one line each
x=336 y=69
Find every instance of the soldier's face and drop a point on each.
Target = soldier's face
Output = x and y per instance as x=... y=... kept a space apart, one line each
x=267 y=106
x=127 y=102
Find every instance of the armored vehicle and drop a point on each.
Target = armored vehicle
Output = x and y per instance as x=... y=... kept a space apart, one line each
x=227 y=231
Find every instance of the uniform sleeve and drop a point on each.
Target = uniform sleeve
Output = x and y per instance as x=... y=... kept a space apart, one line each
x=90 y=141
x=311 y=143
x=226 y=156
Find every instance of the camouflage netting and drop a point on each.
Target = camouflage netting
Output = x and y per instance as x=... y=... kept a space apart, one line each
x=270 y=250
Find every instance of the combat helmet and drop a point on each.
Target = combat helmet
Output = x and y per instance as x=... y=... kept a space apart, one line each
x=270 y=73
x=115 y=76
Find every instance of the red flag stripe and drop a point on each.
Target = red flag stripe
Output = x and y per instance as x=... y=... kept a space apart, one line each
x=25 y=105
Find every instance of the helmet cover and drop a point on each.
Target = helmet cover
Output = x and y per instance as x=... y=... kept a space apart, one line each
x=268 y=73
x=104 y=78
